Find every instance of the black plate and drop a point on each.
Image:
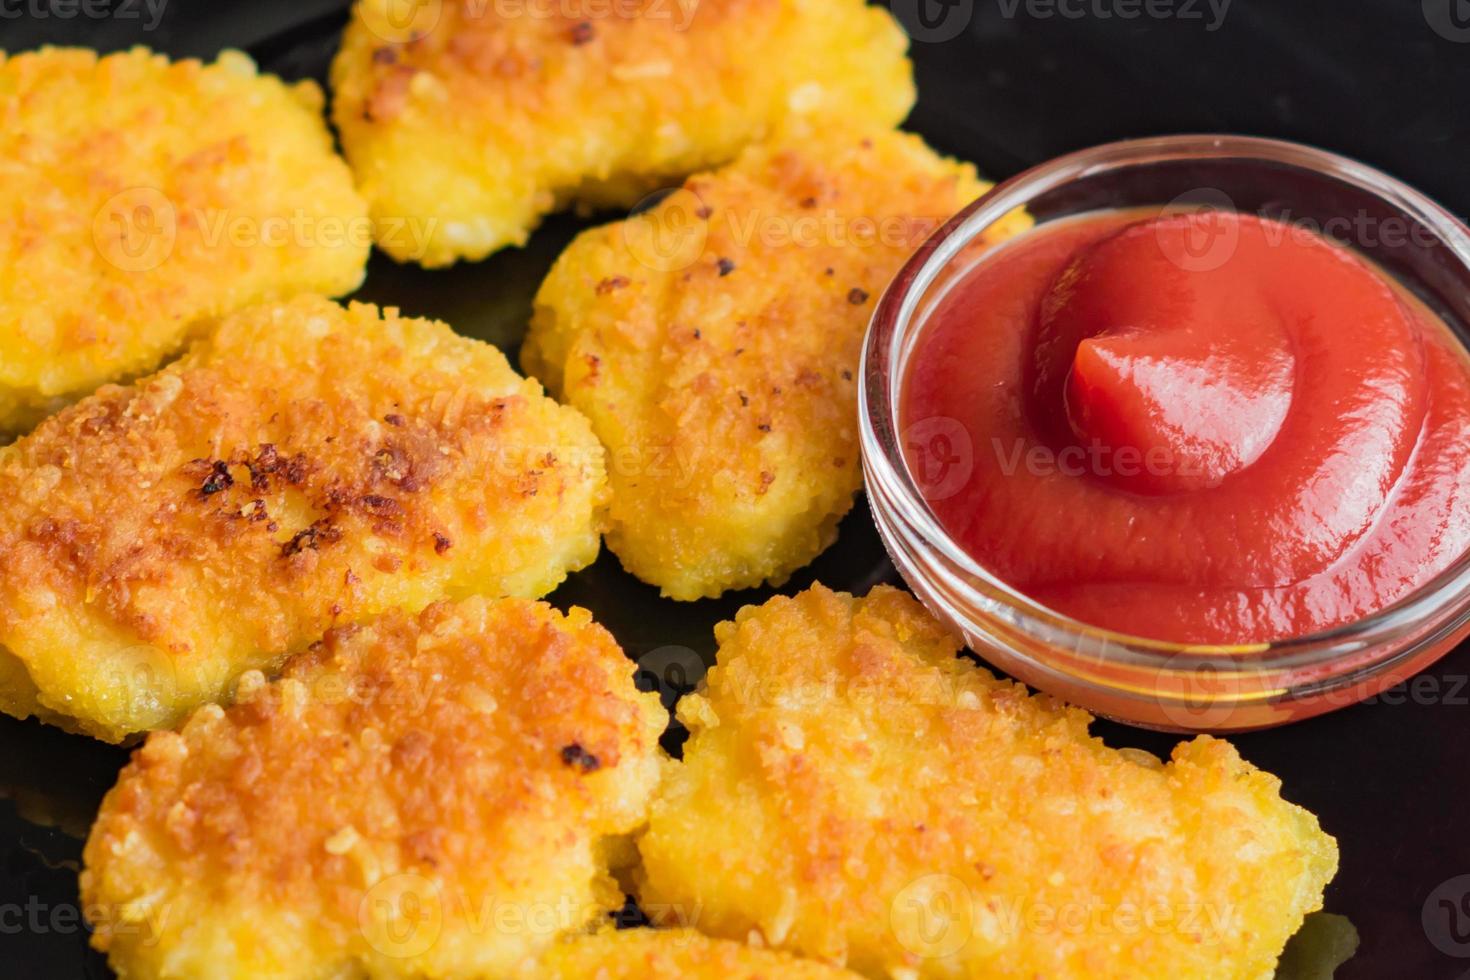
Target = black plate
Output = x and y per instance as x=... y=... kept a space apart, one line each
x=1006 y=83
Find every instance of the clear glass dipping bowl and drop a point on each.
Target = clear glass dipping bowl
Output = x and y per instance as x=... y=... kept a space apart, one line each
x=1146 y=682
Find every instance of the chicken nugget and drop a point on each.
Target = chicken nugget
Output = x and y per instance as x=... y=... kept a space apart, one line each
x=714 y=342
x=854 y=792
x=672 y=954
x=140 y=197
x=467 y=122
x=421 y=796
x=304 y=466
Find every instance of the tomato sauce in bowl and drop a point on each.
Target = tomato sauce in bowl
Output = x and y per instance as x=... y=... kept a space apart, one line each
x=1184 y=454
x=1248 y=440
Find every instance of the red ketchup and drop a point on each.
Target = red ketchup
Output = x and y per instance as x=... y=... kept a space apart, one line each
x=1201 y=428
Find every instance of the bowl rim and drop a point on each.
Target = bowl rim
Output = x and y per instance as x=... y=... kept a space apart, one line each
x=885 y=465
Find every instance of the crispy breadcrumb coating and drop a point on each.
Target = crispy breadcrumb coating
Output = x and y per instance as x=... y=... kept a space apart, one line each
x=139 y=197
x=426 y=796
x=304 y=466
x=714 y=342
x=855 y=793
x=672 y=954
x=473 y=120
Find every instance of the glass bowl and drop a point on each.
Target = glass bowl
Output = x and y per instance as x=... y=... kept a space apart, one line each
x=1139 y=681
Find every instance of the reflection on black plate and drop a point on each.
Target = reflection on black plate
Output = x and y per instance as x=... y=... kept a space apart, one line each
x=1324 y=942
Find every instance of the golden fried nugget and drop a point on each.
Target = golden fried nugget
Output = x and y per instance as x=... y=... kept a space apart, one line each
x=139 y=197
x=467 y=122
x=427 y=796
x=855 y=793
x=303 y=467
x=714 y=342
x=672 y=954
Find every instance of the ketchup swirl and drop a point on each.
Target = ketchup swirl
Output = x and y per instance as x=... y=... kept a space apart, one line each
x=1203 y=428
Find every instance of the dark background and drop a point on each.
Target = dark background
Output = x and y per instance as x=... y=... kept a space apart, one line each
x=1006 y=84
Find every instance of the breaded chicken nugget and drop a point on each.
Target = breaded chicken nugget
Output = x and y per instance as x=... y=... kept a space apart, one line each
x=468 y=121
x=140 y=197
x=672 y=954
x=427 y=796
x=303 y=467
x=857 y=794
x=714 y=343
